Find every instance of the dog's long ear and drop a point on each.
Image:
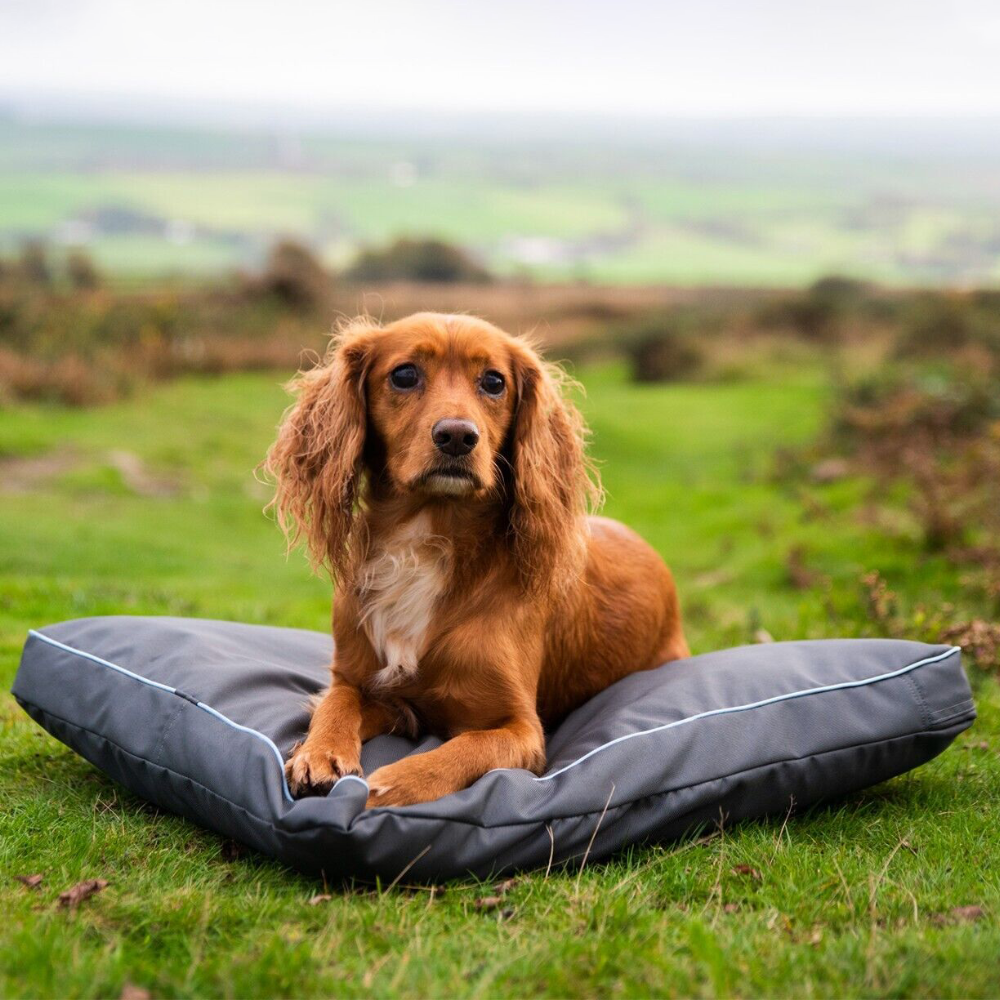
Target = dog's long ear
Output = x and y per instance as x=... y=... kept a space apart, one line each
x=554 y=483
x=317 y=460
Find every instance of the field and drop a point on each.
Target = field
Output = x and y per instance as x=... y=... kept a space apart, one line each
x=675 y=206
x=149 y=506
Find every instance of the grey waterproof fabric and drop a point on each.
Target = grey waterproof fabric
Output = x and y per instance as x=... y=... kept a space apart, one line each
x=196 y=716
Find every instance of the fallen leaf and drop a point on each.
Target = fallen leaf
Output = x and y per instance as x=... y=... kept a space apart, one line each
x=505 y=886
x=72 y=898
x=749 y=871
x=958 y=915
x=829 y=470
x=731 y=908
x=31 y=881
x=132 y=992
x=323 y=897
x=488 y=902
x=715 y=578
x=799 y=574
x=231 y=850
x=137 y=477
x=762 y=635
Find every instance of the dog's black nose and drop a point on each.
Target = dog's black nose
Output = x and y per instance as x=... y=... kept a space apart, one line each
x=455 y=437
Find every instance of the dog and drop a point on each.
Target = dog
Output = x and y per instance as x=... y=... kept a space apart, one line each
x=436 y=468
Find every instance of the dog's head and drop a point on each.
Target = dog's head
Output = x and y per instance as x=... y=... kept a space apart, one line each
x=442 y=409
x=440 y=395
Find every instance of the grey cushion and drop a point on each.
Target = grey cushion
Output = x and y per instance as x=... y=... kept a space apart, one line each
x=197 y=716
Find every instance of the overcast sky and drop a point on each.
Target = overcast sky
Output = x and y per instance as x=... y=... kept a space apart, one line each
x=637 y=57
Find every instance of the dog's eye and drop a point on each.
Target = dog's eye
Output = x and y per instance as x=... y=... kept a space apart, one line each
x=405 y=377
x=492 y=383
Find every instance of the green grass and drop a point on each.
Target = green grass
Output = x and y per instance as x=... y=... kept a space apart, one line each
x=851 y=894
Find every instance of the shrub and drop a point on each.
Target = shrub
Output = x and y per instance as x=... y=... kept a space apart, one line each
x=81 y=348
x=979 y=639
x=936 y=324
x=819 y=312
x=987 y=298
x=69 y=380
x=897 y=412
x=81 y=270
x=33 y=266
x=939 y=430
x=660 y=349
x=427 y=260
x=846 y=292
x=294 y=276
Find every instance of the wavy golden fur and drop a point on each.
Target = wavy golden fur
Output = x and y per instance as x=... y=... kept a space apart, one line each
x=436 y=467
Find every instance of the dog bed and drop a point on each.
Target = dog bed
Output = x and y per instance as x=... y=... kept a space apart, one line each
x=197 y=717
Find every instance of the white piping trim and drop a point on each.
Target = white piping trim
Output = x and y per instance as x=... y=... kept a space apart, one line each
x=352 y=777
x=753 y=704
x=546 y=777
x=171 y=690
x=103 y=663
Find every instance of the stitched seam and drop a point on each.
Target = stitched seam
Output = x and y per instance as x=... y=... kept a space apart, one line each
x=409 y=814
x=921 y=701
x=166 y=731
x=949 y=710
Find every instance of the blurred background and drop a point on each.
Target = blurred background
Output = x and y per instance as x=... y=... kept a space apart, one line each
x=784 y=217
x=729 y=144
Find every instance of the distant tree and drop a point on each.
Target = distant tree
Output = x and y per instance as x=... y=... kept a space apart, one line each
x=661 y=347
x=841 y=289
x=82 y=271
x=935 y=324
x=34 y=264
x=427 y=260
x=819 y=312
x=295 y=276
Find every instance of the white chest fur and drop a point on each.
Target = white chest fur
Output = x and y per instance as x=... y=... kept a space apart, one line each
x=400 y=586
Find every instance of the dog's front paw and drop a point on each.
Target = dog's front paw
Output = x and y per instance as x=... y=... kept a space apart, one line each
x=315 y=770
x=406 y=783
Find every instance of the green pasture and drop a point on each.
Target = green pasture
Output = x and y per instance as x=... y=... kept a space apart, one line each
x=150 y=507
x=603 y=219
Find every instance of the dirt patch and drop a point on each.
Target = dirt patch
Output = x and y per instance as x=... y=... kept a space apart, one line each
x=25 y=474
x=32 y=473
x=138 y=478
